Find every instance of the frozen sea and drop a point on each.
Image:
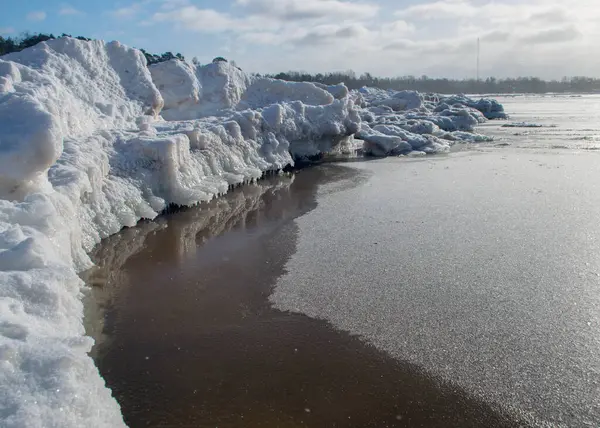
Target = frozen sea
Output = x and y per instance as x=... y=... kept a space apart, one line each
x=450 y=290
x=562 y=121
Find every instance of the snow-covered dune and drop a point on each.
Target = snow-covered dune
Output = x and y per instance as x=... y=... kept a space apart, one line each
x=92 y=140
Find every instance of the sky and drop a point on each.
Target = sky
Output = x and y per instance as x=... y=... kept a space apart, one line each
x=438 y=38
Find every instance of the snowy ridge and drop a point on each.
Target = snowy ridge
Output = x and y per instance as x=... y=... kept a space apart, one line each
x=91 y=140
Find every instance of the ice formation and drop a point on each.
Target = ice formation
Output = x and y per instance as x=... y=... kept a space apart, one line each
x=522 y=125
x=92 y=140
x=402 y=122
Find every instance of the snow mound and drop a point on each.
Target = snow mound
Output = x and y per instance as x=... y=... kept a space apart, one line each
x=65 y=88
x=178 y=85
x=396 y=101
x=193 y=92
x=338 y=91
x=52 y=95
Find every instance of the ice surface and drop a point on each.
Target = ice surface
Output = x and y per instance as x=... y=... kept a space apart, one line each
x=480 y=269
x=92 y=140
x=521 y=125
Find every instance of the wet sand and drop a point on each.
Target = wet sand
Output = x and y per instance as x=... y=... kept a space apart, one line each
x=187 y=337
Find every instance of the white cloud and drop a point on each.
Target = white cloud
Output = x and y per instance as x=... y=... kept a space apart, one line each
x=69 y=10
x=325 y=34
x=495 y=36
x=432 y=37
x=292 y=10
x=202 y=20
x=528 y=36
x=394 y=29
x=553 y=35
x=441 y=48
x=262 y=38
x=288 y=21
x=552 y=16
x=494 y=12
x=259 y=15
x=173 y=4
x=131 y=11
x=443 y=9
x=7 y=30
x=38 y=15
x=401 y=44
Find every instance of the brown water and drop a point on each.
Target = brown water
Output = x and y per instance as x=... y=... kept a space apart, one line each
x=187 y=338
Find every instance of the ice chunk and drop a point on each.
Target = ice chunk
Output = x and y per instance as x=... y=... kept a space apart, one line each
x=522 y=125
x=177 y=82
x=490 y=108
x=193 y=92
x=338 y=91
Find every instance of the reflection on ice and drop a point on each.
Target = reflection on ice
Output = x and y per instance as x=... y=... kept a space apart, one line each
x=192 y=227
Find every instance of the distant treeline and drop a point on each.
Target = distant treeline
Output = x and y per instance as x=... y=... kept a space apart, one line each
x=350 y=78
x=449 y=86
x=26 y=40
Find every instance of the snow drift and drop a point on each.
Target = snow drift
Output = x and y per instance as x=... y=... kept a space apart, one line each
x=91 y=140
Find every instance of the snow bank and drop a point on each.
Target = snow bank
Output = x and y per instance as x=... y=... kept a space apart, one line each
x=87 y=148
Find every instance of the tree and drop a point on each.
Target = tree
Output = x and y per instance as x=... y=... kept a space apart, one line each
x=7 y=45
x=26 y=40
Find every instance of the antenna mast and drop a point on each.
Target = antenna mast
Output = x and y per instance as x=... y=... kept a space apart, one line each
x=478 y=51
